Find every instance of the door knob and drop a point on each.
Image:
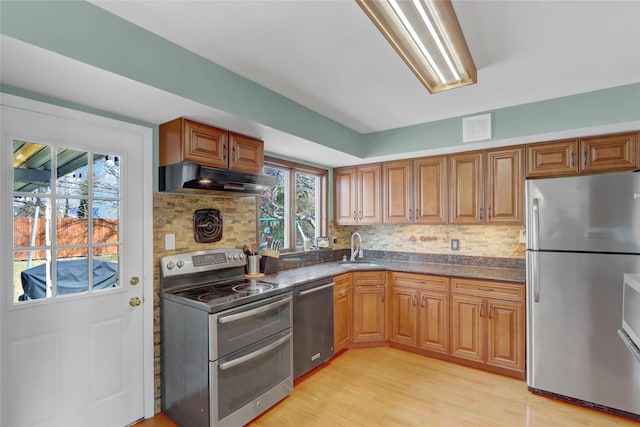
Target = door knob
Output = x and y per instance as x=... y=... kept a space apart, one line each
x=134 y=280
x=134 y=302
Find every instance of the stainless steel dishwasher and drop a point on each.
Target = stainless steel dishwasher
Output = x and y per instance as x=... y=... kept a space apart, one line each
x=312 y=325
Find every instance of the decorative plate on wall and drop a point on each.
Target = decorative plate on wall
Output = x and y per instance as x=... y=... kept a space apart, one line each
x=207 y=225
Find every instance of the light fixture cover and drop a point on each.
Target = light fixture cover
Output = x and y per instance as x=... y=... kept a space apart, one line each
x=427 y=36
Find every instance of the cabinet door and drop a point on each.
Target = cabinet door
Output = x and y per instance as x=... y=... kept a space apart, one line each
x=205 y=145
x=404 y=322
x=433 y=315
x=552 y=158
x=467 y=340
x=609 y=153
x=345 y=188
x=465 y=191
x=183 y=140
x=368 y=313
x=342 y=310
x=506 y=334
x=369 y=194
x=397 y=197
x=430 y=190
x=505 y=186
x=246 y=154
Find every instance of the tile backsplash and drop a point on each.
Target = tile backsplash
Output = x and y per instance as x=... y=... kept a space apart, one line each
x=499 y=241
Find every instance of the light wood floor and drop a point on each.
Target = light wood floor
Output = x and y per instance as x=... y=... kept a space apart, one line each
x=389 y=387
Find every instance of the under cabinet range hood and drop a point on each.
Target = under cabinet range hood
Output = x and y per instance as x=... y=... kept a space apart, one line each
x=186 y=177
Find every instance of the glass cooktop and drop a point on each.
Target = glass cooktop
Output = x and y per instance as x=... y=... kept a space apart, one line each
x=215 y=293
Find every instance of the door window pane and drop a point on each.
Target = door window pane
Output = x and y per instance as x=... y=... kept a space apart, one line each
x=30 y=224
x=105 y=221
x=106 y=268
x=31 y=280
x=72 y=221
x=31 y=167
x=72 y=173
x=72 y=271
x=106 y=171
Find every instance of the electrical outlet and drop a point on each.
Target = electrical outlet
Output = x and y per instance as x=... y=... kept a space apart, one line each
x=523 y=236
x=455 y=244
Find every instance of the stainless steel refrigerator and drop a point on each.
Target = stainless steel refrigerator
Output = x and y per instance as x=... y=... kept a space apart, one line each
x=583 y=235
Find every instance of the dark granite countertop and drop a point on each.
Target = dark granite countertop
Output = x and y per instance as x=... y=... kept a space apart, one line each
x=294 y=276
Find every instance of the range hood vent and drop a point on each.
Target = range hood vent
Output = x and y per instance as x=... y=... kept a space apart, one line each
x=191 y=178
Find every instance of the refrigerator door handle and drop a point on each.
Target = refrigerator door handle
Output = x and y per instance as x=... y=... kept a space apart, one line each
x=535 y=222
x=535 y=283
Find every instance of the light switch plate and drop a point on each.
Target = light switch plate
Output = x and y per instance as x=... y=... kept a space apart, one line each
x=455 y=244
x=169 y=242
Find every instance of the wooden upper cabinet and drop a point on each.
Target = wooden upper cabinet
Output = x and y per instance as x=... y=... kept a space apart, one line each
x=415 y=191
x=487 y=187
x=183 y=140
x=245 y=153
x=345 y=189
x=397 y=194
x=369 y=194
x=430 y=190
x=465 y=188
x=607 y=153
x=552 y=158
x=504 y=186
x=357 y=195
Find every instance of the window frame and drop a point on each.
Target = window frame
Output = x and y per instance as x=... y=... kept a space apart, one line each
x=292 y=168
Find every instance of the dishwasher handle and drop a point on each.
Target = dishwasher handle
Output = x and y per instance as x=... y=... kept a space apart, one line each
x=316 y=289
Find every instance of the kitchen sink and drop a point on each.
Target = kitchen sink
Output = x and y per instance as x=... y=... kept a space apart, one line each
x=360 y=264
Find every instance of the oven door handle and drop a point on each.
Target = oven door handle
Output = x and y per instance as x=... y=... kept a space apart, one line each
x=255 y=354
x=253 y=312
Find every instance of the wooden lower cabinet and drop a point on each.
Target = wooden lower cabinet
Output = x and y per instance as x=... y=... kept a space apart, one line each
x=369 y=292
x=488 y=323
x=342 y=311
x=420 y=314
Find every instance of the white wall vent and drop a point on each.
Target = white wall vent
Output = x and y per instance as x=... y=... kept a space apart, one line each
x=476 y=128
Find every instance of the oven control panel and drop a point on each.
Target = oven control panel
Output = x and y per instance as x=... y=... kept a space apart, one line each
x=195 y=262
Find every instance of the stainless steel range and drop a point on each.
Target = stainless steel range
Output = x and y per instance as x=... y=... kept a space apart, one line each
x=226 y=341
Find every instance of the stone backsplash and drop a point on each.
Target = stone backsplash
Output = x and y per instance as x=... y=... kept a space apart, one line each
x=500 y=241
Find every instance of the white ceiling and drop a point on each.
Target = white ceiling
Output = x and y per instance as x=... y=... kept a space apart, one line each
x=327 y=56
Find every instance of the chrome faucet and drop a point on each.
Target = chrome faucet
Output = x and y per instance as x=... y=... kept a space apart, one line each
x=357 y=252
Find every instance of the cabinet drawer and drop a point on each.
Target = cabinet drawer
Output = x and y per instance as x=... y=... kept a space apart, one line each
x=421 y=281
x=369 y=278
x=341 y=282
x=488 y=289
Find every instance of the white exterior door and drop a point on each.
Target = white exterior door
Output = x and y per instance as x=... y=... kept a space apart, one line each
x=72 y=338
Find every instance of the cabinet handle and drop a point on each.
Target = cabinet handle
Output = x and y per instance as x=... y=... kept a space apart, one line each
x=355 y=217
x=233 y=154
x=489 y=213
x=481 y=213
x=586 y=157
x=414 y=300
x=489 y=311
x=422 y=302
x=573 y=159
x=224 y=151
x=480 y=309
x=359 y=215
x=383 y=296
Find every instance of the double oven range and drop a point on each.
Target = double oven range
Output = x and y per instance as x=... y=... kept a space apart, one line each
x=227 y=348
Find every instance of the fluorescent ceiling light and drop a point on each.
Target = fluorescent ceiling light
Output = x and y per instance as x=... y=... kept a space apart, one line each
x=427 y=35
